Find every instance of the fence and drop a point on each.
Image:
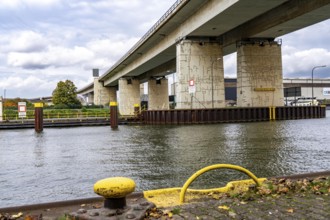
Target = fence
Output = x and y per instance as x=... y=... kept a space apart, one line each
x=50 y=115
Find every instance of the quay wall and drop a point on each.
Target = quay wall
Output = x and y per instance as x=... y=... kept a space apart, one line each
x=225 y=115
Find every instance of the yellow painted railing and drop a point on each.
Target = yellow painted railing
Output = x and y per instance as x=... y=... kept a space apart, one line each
x=213 y=167
x=176 y=196
x=49 y=115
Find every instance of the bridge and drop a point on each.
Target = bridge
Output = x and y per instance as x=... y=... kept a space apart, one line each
x=190 y=40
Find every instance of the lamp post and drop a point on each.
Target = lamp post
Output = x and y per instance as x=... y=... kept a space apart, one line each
x=313 y=80
x=212 y=92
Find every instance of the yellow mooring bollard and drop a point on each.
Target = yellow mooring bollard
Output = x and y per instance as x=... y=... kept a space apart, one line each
x=117 y=191
x=136 y=109
x=114 y=190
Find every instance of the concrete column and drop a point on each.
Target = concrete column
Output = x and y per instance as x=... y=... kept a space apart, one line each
x=158 y=94
x=201 y=62
x=103 y=95
x=1 y=109
x=142 y=89
x=129 y=95
x=259 y=74
x=90 y=97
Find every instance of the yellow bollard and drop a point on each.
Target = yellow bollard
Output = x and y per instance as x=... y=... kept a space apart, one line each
x=114 y=190
x=136 y=109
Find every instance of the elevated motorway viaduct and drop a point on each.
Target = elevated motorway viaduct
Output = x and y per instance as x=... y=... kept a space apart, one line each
x=191 y=38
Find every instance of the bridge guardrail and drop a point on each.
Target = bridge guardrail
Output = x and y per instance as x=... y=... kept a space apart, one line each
x=167 y=14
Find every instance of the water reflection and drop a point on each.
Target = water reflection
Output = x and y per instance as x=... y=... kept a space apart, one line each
x=65 y=163
x=39 y=150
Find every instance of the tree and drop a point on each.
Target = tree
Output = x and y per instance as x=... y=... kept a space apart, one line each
x=66 y=94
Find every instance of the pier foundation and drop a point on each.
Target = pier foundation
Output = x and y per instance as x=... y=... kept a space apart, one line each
x=103 y=95
x=259 y=73
x=158 y=94
x=129 y=95
x=199 y=62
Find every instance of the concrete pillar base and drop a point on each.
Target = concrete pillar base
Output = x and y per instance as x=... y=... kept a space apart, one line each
x=103 y=95
x=158 y=94
x=259 y=74
x=202 y=63
x=129 y=95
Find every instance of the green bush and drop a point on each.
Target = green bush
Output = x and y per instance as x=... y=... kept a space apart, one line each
x=61 y=106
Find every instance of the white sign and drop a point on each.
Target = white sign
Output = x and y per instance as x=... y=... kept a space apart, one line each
x=192 y=87
x=22 y=109
x=326 y=91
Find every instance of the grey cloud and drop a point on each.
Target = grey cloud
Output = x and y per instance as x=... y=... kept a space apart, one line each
x=35 y=66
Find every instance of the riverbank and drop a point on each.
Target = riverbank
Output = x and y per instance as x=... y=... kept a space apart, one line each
x=175 y=117
x=299 y=197
x=64 y=122
x=275 y=199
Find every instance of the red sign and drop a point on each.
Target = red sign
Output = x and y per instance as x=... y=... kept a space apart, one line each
x=22 y=108
x=192 y=87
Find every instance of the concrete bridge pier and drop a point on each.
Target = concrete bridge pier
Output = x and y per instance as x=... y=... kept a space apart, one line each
x=129 y=95
x=200 y=61
x=158 y=94
x=259 y=73
x=90 y=97
x=103 y=95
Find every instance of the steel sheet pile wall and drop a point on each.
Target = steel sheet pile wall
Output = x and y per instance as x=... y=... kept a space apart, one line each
x=223 y=115
x=197 y=116
x=300 y=112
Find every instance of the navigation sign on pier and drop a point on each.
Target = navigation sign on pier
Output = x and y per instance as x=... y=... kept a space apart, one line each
x=192 y=87
x=21 y=109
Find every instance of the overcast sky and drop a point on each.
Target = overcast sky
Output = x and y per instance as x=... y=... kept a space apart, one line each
x=45 y=41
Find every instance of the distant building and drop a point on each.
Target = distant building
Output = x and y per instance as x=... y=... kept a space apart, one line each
x=292 y=89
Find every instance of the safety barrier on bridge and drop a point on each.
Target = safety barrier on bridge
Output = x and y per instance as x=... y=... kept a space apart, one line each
x=226 y=115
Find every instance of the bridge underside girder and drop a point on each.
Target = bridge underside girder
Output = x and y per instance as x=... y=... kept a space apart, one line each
x=227 y=21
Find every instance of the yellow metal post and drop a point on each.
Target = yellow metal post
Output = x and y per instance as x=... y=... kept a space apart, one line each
x=136 y=109
x=272 y=113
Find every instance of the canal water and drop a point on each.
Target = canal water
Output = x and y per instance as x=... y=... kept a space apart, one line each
x=64 y=163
